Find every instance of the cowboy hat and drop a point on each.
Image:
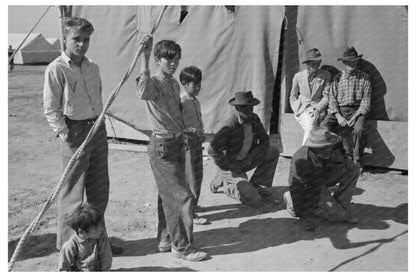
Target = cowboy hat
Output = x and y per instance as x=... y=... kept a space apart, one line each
x=312 y=55
x=350 y=54
x=244 y=98
x=320 y=137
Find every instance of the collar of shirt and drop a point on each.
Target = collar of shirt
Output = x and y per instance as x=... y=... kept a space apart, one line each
x=187 y=95
x=68 y=60
x=351 y=74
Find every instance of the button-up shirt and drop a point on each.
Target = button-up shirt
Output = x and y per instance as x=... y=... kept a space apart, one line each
x=79 y=254
x=191 y=111
x=350 y=90
x=71 y=91
x=247 y=142
x=163 y=107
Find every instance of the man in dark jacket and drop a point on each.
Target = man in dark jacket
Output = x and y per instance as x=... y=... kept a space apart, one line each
x=319 y=164
x=239 y=146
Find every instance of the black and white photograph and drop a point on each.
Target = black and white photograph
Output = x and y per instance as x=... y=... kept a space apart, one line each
x=254 y=137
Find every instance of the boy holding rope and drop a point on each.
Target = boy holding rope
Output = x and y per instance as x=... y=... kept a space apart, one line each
x=72 y=103
x=166 y=149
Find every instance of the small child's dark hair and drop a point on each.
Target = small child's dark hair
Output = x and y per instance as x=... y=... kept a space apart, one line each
x=190 y=74
x=167 y=49
x=77 y=23
x=85 y=217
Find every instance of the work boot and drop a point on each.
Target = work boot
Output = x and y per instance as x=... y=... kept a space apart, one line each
x=190 y=254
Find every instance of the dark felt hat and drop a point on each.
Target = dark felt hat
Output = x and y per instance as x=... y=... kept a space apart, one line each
x=312 y=55
x=244 y=98
x=350 y=54
x=320 y=137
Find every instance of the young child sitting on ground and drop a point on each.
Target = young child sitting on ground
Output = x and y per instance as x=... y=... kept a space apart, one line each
x=89 y=248
x=191 y=78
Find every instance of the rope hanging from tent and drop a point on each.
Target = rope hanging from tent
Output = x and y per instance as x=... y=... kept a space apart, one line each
x=28 y=34
x=77 y=154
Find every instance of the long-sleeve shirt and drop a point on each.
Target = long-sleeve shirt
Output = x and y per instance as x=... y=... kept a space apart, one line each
x=350 y=90
x=163 y=107
x=79 y=254
x=191 y=111
x=71 y=91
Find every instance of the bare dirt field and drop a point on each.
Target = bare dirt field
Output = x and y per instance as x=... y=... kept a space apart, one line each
x=239 y=238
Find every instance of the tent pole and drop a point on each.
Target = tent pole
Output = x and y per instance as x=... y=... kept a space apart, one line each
x=63 y=12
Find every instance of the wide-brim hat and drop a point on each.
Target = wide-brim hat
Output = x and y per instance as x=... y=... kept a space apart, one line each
x=312 y=55
x=244 y=98
x=321 y=137
x=350 y=54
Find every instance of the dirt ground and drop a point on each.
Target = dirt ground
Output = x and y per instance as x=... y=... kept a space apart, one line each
x=239 y=238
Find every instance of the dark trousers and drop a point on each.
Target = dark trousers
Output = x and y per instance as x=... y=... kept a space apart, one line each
x=167 y=159
x=314 y=198
x=88 y=177
x=352 y=136
x=236 y=184
x=194 y=166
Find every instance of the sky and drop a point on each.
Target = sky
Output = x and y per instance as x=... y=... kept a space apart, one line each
x=21 y=19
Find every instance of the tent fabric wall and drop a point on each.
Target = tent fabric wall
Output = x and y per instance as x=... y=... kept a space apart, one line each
x=35 y=50
x=235 y=51
x=377 y=32
x=380 y=33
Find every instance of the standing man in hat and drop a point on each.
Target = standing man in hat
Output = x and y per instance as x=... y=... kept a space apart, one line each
x=239 y=146
x=349 y=103
x=309 y=94
x=319 y=164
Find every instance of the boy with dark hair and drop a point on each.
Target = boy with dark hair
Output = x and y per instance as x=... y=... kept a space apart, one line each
x=166 y=149
x=72 y=103
x=89 y=248
x=190 y=78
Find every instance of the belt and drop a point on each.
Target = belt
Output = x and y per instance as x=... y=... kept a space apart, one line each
x=167 y=135
x=90 y=121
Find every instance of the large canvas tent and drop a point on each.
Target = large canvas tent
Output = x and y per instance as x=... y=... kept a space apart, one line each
x=259 y=48
x=55 y=42
x=35 y=50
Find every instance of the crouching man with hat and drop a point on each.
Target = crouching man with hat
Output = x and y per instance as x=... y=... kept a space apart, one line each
x=321 y=163
x=349 y=103
x=240 y=145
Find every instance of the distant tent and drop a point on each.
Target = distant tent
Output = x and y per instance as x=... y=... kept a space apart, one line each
x=35 y=50
x=55 y=42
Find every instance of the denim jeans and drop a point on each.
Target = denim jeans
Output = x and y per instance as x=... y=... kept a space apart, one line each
x=194 y=165
x=167 y=159
x=88 y=176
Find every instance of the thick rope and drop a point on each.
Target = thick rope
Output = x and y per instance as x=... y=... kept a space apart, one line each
x=77 y=154
x=28 y=34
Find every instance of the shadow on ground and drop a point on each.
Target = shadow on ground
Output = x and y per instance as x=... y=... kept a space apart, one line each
x=35 y=247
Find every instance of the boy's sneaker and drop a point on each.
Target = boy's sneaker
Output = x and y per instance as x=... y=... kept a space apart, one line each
x=200 y=220
x=164 y=247
x=191 y=254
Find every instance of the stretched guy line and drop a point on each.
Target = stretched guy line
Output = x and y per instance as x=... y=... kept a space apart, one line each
x=77 y=154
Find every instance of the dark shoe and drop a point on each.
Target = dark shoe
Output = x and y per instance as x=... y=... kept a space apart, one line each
x=263 y=193
x=199 y=209
x=191 y=254
x=164 y=247
x=116 y=250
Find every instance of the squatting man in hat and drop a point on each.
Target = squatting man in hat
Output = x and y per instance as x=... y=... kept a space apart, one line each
x=240 y=145
x=315 y=169
x=309 y=94
x=349 y=103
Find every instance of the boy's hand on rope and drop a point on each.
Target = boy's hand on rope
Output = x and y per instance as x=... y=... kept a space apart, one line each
x=147 y=43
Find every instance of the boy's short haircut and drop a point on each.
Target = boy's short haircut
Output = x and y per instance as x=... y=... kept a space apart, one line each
x=78 y=24
x=85 y=217
x=190 y=74
x=167 y=49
